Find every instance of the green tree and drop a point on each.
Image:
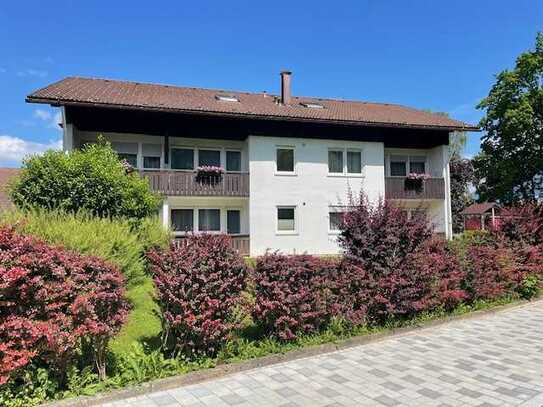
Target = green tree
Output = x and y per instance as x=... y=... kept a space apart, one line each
x=91 y=179
x=510 y=164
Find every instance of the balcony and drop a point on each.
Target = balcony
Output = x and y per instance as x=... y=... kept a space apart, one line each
x=433 y=188
x=183 y=183
x=240 y=243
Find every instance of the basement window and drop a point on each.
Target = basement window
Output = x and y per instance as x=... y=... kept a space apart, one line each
x=313 y=105
x=227 y=98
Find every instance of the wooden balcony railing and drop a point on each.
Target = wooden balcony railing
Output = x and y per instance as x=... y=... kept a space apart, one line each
x=240 y=243
x=433 y=188
x=183 y=183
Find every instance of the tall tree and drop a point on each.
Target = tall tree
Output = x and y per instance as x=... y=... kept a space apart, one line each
x=510 y=164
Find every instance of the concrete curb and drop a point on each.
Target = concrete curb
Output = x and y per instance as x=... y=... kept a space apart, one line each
x=228 y=369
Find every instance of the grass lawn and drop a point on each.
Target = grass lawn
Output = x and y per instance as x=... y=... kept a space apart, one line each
x=143 y=324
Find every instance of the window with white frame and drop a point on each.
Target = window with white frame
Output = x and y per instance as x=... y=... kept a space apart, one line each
x=127 y=152
x=344 y=161
x=233 y=221
x=354 y=162
x=151 y=155
x=336 y=214
x=286 y=219
x=233 y=161
x=209 y=220
x=182 y=158
x=285 y=159
x=182 y=220
x=401 y=165
x=209 y=158
x=417 y=164
x=335 y=161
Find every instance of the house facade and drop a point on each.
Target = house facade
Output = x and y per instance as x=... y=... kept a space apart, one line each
x=289 y=163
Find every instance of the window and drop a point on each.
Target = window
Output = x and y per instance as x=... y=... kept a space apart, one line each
x=336 y=218
x=398 y=166
x=182 y=220
x=227 y=98
x=335 y=161
x=417 y=165
x=233 y=222
x=131 y=159
x=182 y=159
x=209 y=220
x=151 y=155
x=233 y=161
x=401 y=165
x=421 y=214
x=285 y=159
x=285 y=219
x=354 y=162
x=313 y=105
x=127 y=151
x=209 y=157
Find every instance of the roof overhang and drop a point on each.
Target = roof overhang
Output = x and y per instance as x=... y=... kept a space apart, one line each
x=62 y=102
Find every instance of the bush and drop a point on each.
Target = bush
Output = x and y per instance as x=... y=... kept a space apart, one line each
x=522 y=224
x=198 y=284
x=92 y=179
x=114 y=240
x=348 y=289
x=52 y=302
x=289 y=293
x=490 y=272
x=379 y=237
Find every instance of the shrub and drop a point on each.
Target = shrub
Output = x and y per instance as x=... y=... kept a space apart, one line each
x=379 y=237
x=490 y=272
x=522 y=224
x=199 y=284
x=289 y=293
x=348 y=289
x=52 y=302
x=118 y=241
x=92 y=178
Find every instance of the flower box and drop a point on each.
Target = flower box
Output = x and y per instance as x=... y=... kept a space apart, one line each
x=209 y=174
x=415 y=182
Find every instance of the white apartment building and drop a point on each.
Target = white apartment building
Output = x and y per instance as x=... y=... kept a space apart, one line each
x=289 y=163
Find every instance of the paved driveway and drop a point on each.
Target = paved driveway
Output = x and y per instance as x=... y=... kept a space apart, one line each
x=494 y=360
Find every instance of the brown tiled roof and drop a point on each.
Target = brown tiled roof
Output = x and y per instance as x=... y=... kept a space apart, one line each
x=5 y=175
x=134 y=95
x=479 y=208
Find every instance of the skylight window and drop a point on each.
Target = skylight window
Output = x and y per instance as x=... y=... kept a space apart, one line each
x=313 y=105
x=227 y=98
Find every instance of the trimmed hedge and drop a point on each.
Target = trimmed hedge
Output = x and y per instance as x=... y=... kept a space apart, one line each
x=198 y=285
x=289 y=294
x=53 y=302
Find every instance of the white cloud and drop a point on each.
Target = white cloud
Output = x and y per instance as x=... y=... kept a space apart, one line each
x=14 y=149
x=42 y=114
x=53 y=121
x=32 y=72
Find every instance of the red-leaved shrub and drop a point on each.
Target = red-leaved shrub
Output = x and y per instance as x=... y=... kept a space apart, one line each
x=198 y=283
x=490 y=272
x=348 y=289
x=522 y=224
x=379 y=237
x=53 y=301
x=289 y=293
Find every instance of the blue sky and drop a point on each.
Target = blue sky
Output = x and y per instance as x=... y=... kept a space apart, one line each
x=428 y=54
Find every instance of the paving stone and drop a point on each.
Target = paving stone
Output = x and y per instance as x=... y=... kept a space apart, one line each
x=489 y=361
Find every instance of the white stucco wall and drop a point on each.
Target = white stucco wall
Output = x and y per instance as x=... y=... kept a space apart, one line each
x=312 y=190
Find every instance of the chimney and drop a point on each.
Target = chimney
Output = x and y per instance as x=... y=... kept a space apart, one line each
x=285 y=87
